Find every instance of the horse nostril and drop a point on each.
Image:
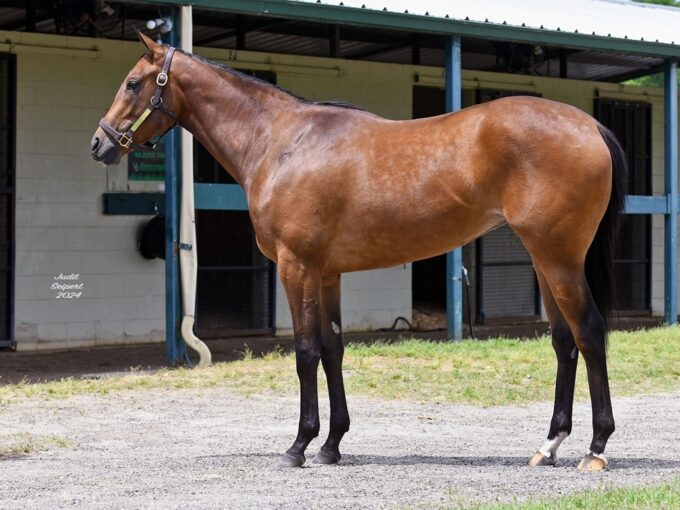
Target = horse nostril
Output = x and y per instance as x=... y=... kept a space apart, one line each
x=95 y=143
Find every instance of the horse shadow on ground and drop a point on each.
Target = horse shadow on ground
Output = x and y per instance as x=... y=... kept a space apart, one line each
x=618 y=464
x=621 y=463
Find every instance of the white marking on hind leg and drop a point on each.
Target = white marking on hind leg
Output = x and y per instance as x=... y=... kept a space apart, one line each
x=550 y=446
x=335 y=328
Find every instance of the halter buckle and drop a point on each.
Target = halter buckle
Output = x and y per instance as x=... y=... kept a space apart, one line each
x=161 y=79
x=125 y=140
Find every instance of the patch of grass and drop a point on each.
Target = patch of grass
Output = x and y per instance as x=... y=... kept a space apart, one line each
x=25 y=443
x=665 y=496
x=506 y=371
x=493 y=372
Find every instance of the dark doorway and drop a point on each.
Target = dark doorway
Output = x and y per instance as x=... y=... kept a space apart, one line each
x=236 y=283
x=7 y=192
x=631 y=122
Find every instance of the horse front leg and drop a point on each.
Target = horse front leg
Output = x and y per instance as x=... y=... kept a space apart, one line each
x=332 y=350
x=303 y=291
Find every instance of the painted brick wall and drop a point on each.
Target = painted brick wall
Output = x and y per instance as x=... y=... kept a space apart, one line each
x=60 y=225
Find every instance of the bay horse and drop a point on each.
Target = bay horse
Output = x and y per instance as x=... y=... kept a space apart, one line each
x=333 y=189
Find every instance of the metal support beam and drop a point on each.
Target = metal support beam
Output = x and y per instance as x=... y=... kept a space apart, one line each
x=30 y=16
x=671 y=189
x=454 y=259
x=334 y=41
x=175 y=348
x=220 y=197
x=415 y=50
x=241 y=32
x=643 y=204
x=563 y=63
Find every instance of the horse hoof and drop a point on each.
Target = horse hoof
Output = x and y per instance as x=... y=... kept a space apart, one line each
x=541 y=460
x=327 y=457
x=292 y=460
x=593 y=462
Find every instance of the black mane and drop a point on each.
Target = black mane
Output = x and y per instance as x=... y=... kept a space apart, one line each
x=338 y=104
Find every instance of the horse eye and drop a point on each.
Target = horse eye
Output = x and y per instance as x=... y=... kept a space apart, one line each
x=132 y=85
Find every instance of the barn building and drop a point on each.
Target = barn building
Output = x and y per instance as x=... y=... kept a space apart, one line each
x=66 y=220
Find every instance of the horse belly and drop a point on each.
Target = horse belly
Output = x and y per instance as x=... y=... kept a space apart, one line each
x=403 y=235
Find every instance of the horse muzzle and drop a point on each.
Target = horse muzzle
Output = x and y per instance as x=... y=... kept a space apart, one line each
x=103 y=149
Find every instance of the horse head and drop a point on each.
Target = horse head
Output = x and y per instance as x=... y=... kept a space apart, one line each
x=142 y=109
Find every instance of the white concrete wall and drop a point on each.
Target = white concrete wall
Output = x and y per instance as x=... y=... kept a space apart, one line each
x=63 y=89
x=370 y=300
x=60 y=228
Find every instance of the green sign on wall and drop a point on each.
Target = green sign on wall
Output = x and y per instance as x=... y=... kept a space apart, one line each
x=147 y=165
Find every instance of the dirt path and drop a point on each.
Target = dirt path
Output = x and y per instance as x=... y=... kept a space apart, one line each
x=211 y=449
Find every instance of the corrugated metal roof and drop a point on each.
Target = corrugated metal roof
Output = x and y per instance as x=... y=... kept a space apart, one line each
x=621 y=19
x=302 y=27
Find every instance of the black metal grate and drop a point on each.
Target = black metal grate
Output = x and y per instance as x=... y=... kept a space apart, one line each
x=631 y=122
x=7 y=179
x=235 y=281
x=505 y=278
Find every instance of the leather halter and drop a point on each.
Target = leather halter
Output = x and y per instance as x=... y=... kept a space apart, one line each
x=124 y=139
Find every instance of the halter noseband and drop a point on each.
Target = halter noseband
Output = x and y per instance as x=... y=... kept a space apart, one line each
x=125 y=139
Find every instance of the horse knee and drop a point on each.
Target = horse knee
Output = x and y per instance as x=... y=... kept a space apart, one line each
x=307 y=354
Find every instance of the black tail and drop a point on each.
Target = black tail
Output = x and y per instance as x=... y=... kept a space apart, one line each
x=600 y=257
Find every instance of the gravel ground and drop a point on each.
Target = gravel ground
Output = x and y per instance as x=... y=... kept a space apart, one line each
x=212 y=449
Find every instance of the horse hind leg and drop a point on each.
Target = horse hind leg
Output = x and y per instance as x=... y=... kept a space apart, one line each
x=569 y=287
x=567 y=360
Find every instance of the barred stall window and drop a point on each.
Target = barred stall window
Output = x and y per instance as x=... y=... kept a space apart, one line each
x=631 y=122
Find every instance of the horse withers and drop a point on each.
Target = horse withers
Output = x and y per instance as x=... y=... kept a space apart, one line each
x=333 y=189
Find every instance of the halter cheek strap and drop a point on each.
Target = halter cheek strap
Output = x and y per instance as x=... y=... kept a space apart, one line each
x=124 y=139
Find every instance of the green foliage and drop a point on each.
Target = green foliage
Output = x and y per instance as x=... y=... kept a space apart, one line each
x=652 y=80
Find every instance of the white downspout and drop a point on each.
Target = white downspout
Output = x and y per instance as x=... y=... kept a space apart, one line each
x=188 y=256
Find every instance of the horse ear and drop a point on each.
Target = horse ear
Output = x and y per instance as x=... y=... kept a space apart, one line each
x=150 y=45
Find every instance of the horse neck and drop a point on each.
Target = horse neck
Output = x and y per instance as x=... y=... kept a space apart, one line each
x=229 y=114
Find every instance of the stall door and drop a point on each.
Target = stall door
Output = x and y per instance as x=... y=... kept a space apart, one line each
x=7 y=106
x=631 y=122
